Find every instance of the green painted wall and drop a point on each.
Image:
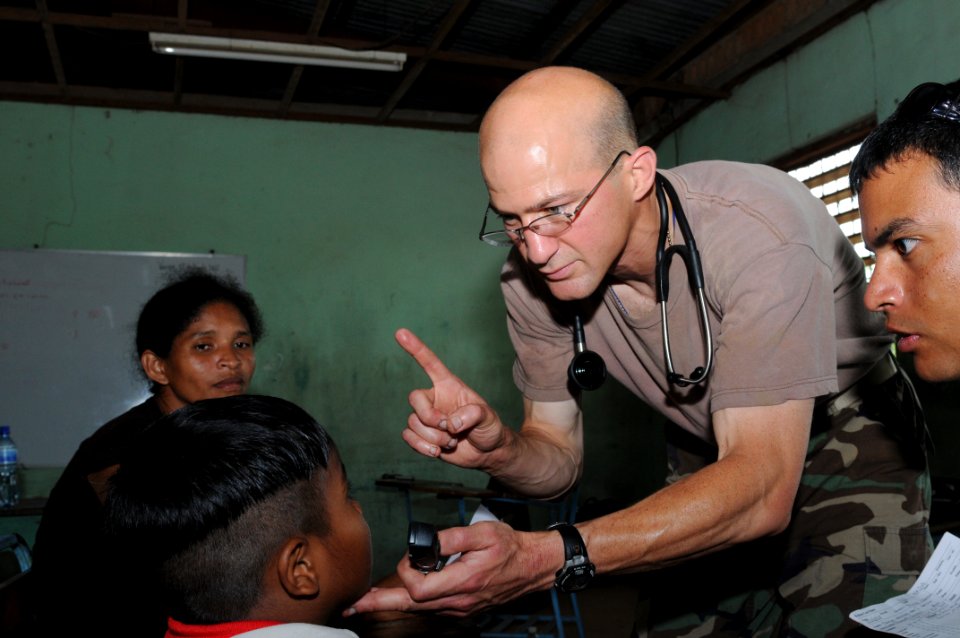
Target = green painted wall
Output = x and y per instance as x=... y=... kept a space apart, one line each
x=351 y=232
x=861 y=67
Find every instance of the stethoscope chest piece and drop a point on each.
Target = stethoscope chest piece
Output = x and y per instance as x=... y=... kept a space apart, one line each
x=587 y=370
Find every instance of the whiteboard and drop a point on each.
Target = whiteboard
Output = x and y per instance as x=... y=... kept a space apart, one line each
x=67 y=340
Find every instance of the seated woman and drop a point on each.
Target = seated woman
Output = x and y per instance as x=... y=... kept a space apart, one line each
x=195 y=340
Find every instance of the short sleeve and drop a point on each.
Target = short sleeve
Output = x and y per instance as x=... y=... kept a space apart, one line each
x=777 y=339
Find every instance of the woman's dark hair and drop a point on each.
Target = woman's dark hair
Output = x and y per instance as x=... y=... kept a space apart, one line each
x=171 y=309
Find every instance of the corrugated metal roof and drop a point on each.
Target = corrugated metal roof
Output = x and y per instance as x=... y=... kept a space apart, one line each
x=460 y=53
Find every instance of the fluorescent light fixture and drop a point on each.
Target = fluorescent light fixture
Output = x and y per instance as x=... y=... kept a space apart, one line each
x=286 y=52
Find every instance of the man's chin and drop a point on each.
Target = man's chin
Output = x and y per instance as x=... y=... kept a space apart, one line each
x=935 y=369
x=570 y=290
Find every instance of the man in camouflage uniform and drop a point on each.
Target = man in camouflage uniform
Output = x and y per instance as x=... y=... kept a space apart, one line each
x=810 y=498
x=859 y=533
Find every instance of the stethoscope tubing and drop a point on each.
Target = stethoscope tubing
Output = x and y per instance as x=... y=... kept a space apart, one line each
x=691 y=258
x=587 y=369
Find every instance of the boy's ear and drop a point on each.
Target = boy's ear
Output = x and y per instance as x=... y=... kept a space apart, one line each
x=154 y=367
x=298 y=567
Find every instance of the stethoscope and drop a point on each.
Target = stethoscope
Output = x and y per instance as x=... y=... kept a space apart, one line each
x=587 y=370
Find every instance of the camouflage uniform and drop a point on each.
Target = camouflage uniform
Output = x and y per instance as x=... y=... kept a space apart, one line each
x=859 y=533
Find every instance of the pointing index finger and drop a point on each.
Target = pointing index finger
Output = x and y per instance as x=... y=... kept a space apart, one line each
x=423 y=355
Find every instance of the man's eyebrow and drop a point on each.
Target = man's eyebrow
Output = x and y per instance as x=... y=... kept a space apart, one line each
x=897 y=225
x=496 y=210
x=542 y=205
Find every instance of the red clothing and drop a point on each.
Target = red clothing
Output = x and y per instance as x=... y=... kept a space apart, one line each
x=177 y=629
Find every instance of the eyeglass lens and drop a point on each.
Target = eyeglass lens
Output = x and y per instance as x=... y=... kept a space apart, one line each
x=550 y=225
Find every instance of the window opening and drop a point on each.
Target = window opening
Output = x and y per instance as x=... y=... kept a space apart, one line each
x=828 y=178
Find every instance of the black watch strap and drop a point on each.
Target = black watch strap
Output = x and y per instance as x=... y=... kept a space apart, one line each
x=577 y=570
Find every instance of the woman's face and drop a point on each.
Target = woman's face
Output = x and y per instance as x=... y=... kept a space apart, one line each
x=214 y=357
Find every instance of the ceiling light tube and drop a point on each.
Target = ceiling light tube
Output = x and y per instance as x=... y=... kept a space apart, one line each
x=285 y=52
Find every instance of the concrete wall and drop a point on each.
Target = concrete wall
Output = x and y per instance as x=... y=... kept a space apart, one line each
x=863 y=66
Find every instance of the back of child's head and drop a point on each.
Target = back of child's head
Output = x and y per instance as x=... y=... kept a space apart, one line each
x=211 y=491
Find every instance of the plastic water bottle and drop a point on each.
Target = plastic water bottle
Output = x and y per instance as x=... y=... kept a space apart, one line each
x=9 y=488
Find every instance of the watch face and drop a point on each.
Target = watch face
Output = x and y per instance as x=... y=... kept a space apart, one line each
x=576 y=578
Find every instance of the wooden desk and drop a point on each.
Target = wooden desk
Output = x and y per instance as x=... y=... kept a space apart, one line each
x=27 y=507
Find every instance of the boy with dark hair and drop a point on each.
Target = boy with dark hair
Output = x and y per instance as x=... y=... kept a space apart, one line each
x=243 y=504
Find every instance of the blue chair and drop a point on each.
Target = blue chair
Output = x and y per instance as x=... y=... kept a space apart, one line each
x=16 y=559
x=518 y=625
x=15 y=556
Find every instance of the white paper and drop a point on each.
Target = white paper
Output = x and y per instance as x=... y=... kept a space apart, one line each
x=482 y=514
x=931 y=609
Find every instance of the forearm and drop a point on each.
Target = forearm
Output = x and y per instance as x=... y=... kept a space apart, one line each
x=545 y=458
x=703 y=513
x=748 y=493
x=708 y=511
x=535 y=466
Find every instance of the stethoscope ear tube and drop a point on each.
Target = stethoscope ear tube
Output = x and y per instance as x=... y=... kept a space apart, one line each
x=691 y=258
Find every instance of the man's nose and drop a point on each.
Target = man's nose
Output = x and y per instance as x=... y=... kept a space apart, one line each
x=883 y=291
x=539 y=248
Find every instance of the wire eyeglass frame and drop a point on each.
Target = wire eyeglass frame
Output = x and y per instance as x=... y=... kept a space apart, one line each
x=549 y=225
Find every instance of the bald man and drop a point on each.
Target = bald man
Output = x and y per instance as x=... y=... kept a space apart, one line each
x=811 y=500
x=907 y=175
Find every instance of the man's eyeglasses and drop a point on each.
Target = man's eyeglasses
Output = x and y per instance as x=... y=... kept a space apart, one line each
x=931 y=100
x=550 y=225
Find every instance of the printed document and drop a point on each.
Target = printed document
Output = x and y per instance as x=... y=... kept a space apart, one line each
x=931 y=609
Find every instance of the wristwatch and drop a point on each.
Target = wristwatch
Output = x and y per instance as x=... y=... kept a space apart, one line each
x=577 y=570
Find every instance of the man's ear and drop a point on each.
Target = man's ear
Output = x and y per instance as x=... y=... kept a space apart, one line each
x=154 y=367
x=643 y=167
x=298 y=567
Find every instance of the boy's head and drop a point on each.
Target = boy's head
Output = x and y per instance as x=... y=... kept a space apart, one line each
x=924 y=124
x=243 y=501
x=907 y=177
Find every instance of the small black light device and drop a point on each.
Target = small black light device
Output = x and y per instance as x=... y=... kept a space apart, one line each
x=423 y=547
